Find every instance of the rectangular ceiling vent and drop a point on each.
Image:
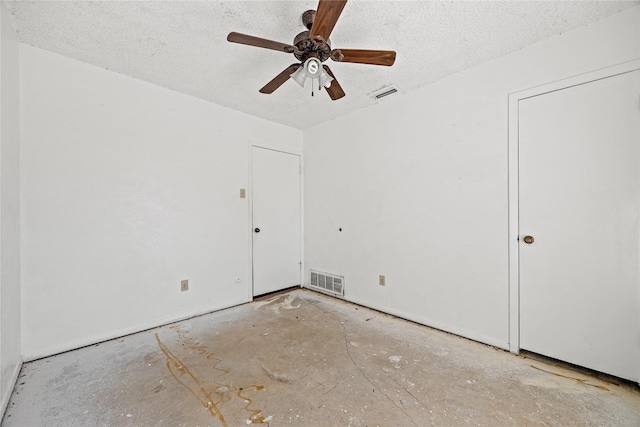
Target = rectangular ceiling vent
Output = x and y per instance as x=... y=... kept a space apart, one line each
x=329 y=283
x=383 y=93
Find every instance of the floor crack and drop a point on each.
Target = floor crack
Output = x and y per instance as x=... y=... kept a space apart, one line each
x=346 y=345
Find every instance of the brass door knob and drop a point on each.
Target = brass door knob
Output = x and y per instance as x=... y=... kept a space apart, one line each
x=528 y=239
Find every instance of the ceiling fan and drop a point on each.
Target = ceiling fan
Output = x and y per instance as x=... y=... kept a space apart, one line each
x=313 y=47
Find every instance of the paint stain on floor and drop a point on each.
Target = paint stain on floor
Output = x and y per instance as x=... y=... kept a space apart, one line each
x=211 y=397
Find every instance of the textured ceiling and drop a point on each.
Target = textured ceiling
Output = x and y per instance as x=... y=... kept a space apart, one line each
x=182 y=45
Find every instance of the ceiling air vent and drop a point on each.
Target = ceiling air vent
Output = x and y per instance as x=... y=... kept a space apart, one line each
x=382 y=94
x=328 y=283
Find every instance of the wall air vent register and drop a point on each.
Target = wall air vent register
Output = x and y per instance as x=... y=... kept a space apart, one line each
x=328 y=283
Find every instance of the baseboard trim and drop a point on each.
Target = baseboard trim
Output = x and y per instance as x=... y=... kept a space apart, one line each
x=87 y=342
x=463 y=333
x=6 y=395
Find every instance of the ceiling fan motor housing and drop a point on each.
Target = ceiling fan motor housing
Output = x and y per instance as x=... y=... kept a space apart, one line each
x=308 y=45
x=311 y=46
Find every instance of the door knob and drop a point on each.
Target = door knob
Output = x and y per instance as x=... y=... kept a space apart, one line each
x=257 y=230
x=528 y=239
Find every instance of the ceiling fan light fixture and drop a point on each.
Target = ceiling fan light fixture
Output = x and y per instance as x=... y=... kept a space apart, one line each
x=325 y=79
x=299 y=76
x=312 y=68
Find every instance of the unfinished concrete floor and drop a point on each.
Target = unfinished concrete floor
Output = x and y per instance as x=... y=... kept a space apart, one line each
x=305 y=359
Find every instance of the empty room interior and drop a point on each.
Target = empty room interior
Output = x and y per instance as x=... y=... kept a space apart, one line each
x=319 y=213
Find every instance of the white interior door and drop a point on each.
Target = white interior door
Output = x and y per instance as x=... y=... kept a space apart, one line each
x=580 y=201
x=276 y=220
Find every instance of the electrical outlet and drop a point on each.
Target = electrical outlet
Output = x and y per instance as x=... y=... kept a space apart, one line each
x=382 y=280
x=184 y=285
x=243 y=193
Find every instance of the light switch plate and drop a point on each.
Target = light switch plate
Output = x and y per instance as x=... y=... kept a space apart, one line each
x=382 y=281
x=243 y=193
x=184 y=285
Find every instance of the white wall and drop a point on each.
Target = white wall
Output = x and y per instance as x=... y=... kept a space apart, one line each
x=10 y=356
x=127 y=188
x=419 y=185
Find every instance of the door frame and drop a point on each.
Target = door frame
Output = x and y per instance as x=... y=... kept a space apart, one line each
x=286 y=150
x=513 y=159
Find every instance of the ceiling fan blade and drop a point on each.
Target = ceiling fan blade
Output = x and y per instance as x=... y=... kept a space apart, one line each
x=335 y=90
x=362 y=56
x=326 y=17
x=259 y=42
x=280 y=79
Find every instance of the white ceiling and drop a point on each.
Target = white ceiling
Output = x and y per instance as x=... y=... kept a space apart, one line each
x=182 y=45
